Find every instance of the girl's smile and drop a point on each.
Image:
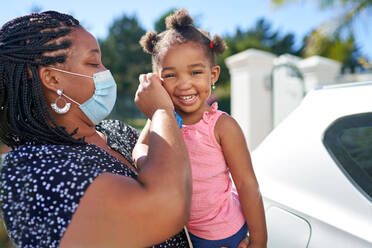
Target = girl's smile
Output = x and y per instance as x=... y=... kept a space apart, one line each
x=188 y=76
x=188 y=100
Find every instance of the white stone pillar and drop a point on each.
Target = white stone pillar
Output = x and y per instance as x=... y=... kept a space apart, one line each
x=251 y=93
x=288 y=86
x=319 y=71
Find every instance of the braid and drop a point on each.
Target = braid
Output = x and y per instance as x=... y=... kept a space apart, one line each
x=26 y=43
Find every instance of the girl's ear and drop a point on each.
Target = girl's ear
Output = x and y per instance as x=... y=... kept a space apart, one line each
x=215 y=73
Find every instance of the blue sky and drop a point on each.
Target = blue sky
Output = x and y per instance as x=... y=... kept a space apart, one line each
x=217 y=16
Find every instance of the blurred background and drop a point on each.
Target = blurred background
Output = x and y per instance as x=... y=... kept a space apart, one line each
x=333 y=29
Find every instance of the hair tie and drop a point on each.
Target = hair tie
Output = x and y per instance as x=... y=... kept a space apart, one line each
x=211 y=44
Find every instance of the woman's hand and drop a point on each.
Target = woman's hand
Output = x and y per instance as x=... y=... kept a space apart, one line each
x=151 y=95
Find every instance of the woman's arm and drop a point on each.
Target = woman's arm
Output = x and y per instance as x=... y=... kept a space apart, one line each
x=231 y=138
x=118 y=211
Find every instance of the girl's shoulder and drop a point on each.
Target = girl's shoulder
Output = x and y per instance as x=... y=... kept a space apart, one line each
x=211 y=116
x=225 y=125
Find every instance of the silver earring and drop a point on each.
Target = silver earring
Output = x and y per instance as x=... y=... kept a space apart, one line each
x=57 y=109
x=213 y=87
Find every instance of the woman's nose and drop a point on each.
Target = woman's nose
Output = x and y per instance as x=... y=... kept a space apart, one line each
x=102 y=67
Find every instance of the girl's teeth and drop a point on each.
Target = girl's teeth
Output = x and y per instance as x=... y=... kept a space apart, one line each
x=186 y=97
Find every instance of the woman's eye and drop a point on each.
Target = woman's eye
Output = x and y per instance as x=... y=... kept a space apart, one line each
x=93 y=64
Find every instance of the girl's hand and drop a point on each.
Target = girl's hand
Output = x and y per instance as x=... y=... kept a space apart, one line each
x=151 y=95
x=244 y=243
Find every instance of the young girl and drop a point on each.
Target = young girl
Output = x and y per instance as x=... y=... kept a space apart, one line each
x=184 y=57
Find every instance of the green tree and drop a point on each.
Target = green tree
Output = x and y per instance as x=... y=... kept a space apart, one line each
x=344 y=50
x=330 y=34
x=123 y=55
x=160 y=23
x=261 y=36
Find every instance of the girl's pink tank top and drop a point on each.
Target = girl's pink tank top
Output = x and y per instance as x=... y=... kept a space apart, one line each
x=215 y=207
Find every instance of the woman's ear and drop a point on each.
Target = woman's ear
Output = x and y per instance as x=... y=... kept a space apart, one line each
x=48 y=79
x=215 y=73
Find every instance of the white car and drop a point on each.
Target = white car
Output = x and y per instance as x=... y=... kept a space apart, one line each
x=315 y=171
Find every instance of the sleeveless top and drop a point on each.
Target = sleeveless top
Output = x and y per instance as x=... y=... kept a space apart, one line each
x=41 y=184
x=215 y=207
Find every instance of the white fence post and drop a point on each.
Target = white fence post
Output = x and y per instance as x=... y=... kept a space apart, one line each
x=319 y=71
x=251 y=93
x=288 y=86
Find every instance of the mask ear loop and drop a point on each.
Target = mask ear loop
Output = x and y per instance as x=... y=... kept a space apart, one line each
x=72 y=73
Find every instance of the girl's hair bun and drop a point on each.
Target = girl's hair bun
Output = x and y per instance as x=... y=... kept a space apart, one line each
x=179 y=20
x=219 y=45
x=148 y=41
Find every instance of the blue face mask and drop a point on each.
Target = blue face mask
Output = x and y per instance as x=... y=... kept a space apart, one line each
x=100 y=105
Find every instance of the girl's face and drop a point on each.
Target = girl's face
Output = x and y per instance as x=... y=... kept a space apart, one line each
x=188 y=76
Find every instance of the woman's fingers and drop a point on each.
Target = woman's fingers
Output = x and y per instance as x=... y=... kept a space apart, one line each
x=151 y=95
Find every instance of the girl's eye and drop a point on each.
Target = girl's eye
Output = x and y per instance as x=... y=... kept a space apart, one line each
x=196 y=72
x=169 y=75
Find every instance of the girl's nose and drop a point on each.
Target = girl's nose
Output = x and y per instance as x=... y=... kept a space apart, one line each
x=184 y=83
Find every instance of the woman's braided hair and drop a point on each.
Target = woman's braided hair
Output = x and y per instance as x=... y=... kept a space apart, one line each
x=180 y=29
x=26 y=44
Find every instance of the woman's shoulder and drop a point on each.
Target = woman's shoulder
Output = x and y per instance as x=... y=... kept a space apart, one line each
x=120 y=136
x=116 y=126
x=63 y=161
x=35 y=160
x=42 y=179
x=43 y=152
x=47 y=182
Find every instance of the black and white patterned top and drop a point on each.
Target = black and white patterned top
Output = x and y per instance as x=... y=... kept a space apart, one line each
x=41 y=185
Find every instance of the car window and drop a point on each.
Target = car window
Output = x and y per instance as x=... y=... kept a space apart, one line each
x=349 y=141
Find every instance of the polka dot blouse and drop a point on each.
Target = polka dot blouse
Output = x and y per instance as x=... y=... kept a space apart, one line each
x=41 y=185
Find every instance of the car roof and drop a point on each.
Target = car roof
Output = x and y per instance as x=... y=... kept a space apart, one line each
x=344 y=85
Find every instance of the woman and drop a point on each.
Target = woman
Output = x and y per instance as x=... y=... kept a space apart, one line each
x=69 y=180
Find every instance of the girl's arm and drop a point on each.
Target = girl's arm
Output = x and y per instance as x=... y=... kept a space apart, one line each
x=230 y=136
x=141 y=148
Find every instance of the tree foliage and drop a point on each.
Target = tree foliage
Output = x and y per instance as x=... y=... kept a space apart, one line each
x=261 y=36
x=344 y=50
x=123 y=55
x=335 y=38
x=160 y=23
